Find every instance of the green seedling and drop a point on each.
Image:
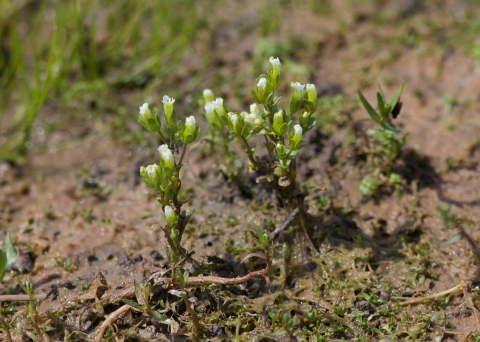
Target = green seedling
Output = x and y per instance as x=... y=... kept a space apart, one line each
x=7 y=256
x=164 y=177
x=386 y=110
x=280 y=131
x=386 y=147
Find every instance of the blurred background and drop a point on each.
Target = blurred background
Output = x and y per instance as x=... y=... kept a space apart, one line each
x=69 y=69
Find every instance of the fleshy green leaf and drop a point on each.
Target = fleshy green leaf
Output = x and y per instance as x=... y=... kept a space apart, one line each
x=396 y=97
x=373 y=114
x=3 y=263
x=381 y=103
x=11 y=252
x=134 y=304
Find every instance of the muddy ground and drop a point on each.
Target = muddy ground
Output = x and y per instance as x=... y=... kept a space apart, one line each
x=80 y=215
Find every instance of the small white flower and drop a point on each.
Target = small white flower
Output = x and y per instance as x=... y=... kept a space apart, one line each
x=167 y=155
x=167 y=161
x=262 y=83
x=254 y=109
x=275 y=61
x=311 y=87
x=233 y=118
x=190 y=121
x=207 y=92
x=251 y=118
x=298 y=129
x=168 y=210
x=162 y=148
x=218 y=103
x=171 y=216
x=278 y=115
x=168 y=100
x=152 y=170
x=144 y=109
x=298 y=86
x=209 y=107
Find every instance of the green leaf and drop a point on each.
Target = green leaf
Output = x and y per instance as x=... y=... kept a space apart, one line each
x=373 y=114
x=3 y=263
x=276 y=99
x=381 y=104
x=185 y=278
x=395 y=98
x=161 y=318
x=134 y=304
x=390 y=128
x=177 y=293
x=138 y=293
x=11 y=252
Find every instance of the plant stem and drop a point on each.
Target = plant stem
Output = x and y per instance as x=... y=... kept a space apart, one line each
x=165 y=141
x=250 y=153
x=5 y=327
x=183 y=154
x=191 y=310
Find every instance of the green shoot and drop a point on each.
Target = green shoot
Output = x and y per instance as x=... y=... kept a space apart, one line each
x=385 y=149
x=164 y=177
x=7 y=257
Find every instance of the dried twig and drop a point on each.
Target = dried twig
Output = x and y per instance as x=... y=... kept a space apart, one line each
x=21 y=297
x=159 y=282
x=454 y=290
x=110 y=319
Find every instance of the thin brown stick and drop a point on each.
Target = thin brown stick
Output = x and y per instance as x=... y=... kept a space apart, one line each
x=208 y=280
x=184 y=147
x=110 y=319
x=21 y=297
x=454 y=290
x=158 y=281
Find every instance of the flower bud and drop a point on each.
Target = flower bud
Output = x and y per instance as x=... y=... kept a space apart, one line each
x=218 y=103
x=252 y=119
x=191 y=130
x=297 y=97
x=151 y=175
x=170 y=116
x=280 y=148
x=208 y=95
x=262 y=90
x=295 y=139
x=306 y=121
x=311 y=98
x=275 y=74
x=279 y=126
x=148 y=120
x=171 y=217
x=254 y=109
x=167 y=162
x=236 y=124
x=212 y=116
x=262 y=83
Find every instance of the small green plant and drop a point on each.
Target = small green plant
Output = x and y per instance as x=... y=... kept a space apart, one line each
x=164 y=177
x=386 y=147
x=218 y=136
x=281 y=135
x=7 y=257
